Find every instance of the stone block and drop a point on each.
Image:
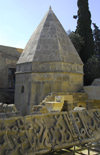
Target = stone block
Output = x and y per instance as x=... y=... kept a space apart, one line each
x=93 y=92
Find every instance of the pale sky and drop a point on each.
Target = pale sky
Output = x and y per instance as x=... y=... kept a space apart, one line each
x=19 y=18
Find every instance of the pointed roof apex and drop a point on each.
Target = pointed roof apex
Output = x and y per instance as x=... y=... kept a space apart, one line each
x=50 y=8
x=49 y=43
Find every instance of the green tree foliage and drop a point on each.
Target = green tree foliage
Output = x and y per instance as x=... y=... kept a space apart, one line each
x=92 y=66
x=96 y=35
x=84 y=30
x=77 y=41
x=91 y=69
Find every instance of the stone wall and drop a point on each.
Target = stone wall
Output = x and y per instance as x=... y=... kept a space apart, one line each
x=8 y=59
x=38 y=134
x=38 y=85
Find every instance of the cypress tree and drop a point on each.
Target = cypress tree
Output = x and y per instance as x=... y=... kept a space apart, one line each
x=84 y=30
x=77 y=41
x=96 y=35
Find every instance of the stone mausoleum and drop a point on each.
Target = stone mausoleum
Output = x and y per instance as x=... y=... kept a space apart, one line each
x=49 y=63
x=49 y=87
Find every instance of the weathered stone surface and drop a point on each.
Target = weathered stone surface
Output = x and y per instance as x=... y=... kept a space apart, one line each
x=38 y=134
x=10 y=51
x=49 y=63
x=4 y=108
x=49 y=43
x=8 y=110
x=69 y=100
x=38 y=86
x=96 y=82
x=93 y=90
x=8 y=59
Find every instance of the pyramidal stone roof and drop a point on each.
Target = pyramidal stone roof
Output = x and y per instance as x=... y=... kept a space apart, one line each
x=49 y=43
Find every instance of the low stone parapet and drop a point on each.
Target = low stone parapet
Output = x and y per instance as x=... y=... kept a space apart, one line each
x=38 y=134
